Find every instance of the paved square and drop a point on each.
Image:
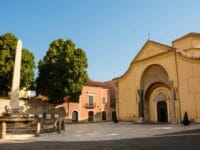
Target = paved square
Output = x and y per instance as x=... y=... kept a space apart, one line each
x=106 y=131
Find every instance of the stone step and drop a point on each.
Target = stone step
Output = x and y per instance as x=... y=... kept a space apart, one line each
x=19 y=131
x=19 y=128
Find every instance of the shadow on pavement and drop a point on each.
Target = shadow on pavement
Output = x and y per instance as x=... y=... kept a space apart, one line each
x=195 y=131
x=190 y=142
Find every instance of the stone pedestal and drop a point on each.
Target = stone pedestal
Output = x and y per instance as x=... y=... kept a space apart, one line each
x=140 y=120
x=15 y=120
x=174 y=120
x=17 y=123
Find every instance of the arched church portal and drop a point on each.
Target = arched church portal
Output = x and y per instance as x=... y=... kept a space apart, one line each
x=161 y=106
x=157 y=104
x=154 y=94
x=152 y=74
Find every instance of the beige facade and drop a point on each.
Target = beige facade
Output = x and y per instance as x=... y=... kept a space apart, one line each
x=162 y=82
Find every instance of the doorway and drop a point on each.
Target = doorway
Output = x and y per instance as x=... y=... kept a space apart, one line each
x=103 y=115
x=90 y=116
x=74 y=116
x=162 y=111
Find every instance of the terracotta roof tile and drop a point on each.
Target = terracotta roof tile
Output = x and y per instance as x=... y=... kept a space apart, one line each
x=106 y=84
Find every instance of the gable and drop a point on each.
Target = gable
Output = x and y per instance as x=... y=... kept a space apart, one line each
x=150 y=49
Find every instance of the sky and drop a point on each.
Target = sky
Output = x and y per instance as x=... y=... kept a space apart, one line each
x=111 y=32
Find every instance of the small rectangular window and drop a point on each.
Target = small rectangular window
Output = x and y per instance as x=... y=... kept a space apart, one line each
x=90 y=99
x=103 y=100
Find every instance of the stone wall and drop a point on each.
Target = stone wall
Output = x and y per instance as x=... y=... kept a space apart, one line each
x=34 y=107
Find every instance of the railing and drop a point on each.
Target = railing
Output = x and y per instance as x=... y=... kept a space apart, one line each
x=90 y=105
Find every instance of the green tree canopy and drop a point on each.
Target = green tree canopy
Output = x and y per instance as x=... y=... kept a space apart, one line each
x=8 y=43
x=62 y=72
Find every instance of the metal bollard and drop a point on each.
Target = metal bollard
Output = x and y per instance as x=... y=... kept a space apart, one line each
x=58 y=127
x=3 y=131
x=38 y=128
x=55 y=125
x=63 y=125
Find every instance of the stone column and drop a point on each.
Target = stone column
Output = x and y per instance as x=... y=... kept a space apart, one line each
x=173 y=103
x=141 y=104
x=14 y=102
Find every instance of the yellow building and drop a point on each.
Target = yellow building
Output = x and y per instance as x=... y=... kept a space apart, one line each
x=162 y=82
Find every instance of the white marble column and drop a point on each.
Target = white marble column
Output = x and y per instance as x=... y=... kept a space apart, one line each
x=14 y=102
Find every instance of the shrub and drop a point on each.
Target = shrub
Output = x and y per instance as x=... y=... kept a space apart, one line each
x=185 y=119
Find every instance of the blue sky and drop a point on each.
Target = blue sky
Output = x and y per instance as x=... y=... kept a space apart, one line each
x=110 y=31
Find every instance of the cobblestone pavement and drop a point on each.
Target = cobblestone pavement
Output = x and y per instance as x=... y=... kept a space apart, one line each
x=108 y=131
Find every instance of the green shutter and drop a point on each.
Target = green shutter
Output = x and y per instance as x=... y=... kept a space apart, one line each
x=91 y=98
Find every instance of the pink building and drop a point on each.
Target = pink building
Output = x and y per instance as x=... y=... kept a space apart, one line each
x=96 y=103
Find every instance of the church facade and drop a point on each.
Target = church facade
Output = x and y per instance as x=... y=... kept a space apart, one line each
x=162 y=82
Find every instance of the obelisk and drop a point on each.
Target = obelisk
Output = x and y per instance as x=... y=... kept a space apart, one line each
x=14 y=102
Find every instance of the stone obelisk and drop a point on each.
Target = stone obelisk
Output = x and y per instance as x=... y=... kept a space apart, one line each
x=14 y=102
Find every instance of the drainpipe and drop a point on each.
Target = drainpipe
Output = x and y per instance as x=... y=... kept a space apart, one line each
x=117 y=100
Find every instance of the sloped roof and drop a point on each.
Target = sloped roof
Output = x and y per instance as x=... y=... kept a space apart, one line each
x=40 y=97
x=187 y=35
x=106 y=84
x=163 y=46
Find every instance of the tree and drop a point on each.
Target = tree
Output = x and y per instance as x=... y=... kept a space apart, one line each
x=62 y=71
x=27 y=69
x=8 y=43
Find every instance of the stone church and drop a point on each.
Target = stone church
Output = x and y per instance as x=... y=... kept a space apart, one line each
x=162 y=82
